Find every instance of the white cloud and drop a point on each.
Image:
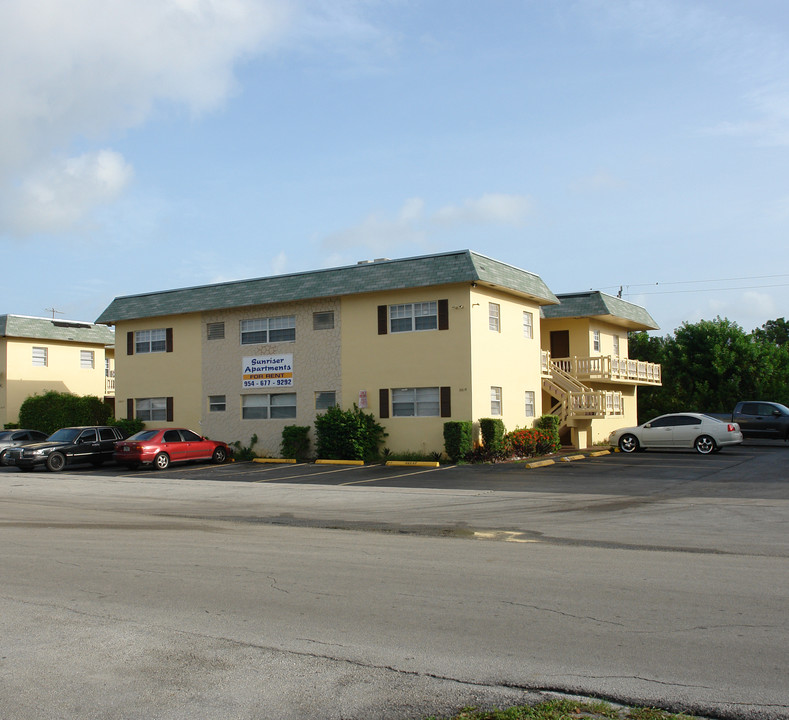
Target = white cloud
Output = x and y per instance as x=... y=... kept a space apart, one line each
x=58 y=196
x=413 y=226
x=86 y=69
x=599 y=182
x=496 y=209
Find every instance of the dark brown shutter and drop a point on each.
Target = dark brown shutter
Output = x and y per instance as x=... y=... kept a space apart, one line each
x=383 y=403
x=130 y=408
x=446 y=405
x=382 y=319
x=443 y=314
x=130 y=343
x=169 y=409
x=168 y=334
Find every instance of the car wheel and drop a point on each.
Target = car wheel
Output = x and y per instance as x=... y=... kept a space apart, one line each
x=2 y=457
x=162 y=461
x=628 y=443
x=704 y=444
x=56 y=461
x=219 y=456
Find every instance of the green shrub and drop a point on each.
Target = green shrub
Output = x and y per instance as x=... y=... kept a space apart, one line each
x=295 y=442
x=242 y=453
x=128 y=426
x=458 y=439
x=550 y=425
x=529 y=442
x=348 y=435
x=54 y=410
x=492 y=431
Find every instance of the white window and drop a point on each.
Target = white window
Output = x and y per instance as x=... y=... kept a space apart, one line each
x=495 y=401
x=616 y=345
x=268 y=330
x=413 y=316
x=529 y=407
x=151 y=408
x=416 y=402
x=325 y=399
x=217 y=403
x=107 y=371
x=86 y=359
x=40 y=357
x=528 y=324
x=263 y=407
x=150 y=341
x=596 y=340
x=323 y=320
x=494 y=317
x=215 y=331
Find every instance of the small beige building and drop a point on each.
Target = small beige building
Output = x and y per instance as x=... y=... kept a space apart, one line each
x=416 y=341
x=42 y=354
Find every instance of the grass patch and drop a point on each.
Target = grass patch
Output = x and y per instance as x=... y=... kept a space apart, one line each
x=567 y=710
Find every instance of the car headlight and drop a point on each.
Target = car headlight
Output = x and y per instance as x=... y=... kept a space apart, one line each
x=43 y=451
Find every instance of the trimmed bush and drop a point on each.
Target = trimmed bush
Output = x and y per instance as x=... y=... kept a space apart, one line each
x=492 y=431
x=458 y=439
x=54 y=410
x=348 y=435
x=128 y=426
x=295 y=442
x=550 y=425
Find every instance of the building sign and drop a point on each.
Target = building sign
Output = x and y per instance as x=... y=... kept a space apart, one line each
x=267 y=371
x=362 y=399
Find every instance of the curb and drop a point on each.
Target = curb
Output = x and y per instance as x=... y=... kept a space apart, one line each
x=414 y=463
x=273 y=460
x=339 y=462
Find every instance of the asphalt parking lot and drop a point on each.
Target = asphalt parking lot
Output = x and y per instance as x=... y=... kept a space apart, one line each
x=756 y=466
x=658 y=578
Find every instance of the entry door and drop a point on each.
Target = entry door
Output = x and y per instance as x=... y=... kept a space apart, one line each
x=560 y=344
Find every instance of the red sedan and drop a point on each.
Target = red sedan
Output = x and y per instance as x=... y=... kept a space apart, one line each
x=168 y=445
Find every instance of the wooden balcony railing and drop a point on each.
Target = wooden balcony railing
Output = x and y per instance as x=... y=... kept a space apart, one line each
x=606 y=367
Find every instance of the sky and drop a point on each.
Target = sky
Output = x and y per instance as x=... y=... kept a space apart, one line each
x=633 y=145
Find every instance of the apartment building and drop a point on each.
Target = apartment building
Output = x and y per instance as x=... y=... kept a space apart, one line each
x=42 y=354
x=415 y=341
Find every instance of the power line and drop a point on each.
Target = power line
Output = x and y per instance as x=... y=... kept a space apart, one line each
x=675 y=292
x=694 y=282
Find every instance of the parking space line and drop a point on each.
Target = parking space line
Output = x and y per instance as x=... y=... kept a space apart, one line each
x=347 y=468
x=393 y=477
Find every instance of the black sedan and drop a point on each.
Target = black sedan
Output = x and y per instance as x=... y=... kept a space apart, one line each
x=67 y=446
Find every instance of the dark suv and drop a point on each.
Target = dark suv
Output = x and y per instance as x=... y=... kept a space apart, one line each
x=67 y=446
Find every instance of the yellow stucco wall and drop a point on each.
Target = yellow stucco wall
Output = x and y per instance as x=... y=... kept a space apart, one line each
x=429 y=358
x=161 y=374
x=504 y=359
x=63 y=372
x=316 y=368
x=581 y=332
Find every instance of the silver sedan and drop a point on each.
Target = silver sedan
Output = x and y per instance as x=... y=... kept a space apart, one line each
x=678 y=430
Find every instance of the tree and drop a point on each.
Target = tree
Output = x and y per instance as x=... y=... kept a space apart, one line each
x=773 y=331
x=711 y=365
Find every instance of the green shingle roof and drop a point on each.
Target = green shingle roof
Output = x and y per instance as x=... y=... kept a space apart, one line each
x=423 y=271
x=600 y=305
x=21 y=326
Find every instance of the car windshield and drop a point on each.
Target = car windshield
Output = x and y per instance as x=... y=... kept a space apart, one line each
x=65 y=435
x=714 y=419
x=782 y=408
x=5 y=435
x=142 y=435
